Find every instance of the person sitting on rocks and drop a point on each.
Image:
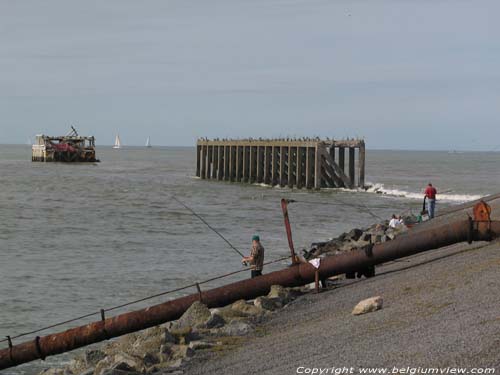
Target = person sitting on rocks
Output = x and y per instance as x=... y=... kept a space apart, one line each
x=394 y=223
x=256 y=258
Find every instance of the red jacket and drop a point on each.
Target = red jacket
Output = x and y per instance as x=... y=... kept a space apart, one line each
x=430 y=192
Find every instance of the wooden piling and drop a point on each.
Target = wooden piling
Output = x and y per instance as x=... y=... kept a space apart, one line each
x=294 y=163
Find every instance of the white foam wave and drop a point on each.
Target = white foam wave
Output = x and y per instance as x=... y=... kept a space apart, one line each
x=447 y=196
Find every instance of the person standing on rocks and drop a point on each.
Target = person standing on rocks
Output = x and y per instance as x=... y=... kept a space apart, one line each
x=256 y=258
x=430 y=194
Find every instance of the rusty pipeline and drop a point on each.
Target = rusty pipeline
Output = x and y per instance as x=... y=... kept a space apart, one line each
x=481 y=228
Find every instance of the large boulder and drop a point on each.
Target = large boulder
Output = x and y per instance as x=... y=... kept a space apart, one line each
x=92 y=356
x=237 y=328
x=354 y=234
x=246 y=308
x=195 y=317
x=215 y=321
x=281 y=294
x=266 y=303
x=368 y=305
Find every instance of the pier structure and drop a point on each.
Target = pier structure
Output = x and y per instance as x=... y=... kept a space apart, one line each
x=305 y=163
x=67 y=148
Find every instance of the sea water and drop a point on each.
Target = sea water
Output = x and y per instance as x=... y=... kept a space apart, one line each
x=75 y=238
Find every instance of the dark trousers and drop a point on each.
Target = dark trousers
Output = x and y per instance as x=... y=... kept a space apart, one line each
x=256 y=273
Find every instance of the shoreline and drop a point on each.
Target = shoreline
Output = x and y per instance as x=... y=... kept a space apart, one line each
x=190 y=354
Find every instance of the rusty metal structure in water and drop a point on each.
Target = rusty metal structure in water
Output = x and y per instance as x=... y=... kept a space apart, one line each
x=479 y=228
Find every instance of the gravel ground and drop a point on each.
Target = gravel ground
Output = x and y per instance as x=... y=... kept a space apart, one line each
x=441 y=309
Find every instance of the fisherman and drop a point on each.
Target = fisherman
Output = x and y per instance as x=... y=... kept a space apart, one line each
x=256 y=258
x=430 y=195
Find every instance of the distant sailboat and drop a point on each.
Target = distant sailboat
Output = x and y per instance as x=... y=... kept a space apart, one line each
x=148 y=143
x=118 y=143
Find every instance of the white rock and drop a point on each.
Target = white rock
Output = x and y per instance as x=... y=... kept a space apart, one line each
x=368 y=305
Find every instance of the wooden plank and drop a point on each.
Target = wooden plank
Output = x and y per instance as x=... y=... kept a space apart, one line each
x=204 y=161
x=275 y=169
x=361 y=165
x=341 y=162
x=317 y=167
x=290 y=167
x=298 y=172
x=209 y=162
x=198 y=160
x=220 y=166
x=336 y=168
x=227 y=158
x=282 y=166
x=352 y=172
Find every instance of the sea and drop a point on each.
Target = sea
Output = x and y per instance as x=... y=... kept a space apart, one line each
x=75 y=238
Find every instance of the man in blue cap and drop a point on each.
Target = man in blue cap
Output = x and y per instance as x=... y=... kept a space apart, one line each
x=256 y=258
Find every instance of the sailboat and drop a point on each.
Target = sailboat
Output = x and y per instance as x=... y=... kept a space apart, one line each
x=118 y=143
x=148 y=143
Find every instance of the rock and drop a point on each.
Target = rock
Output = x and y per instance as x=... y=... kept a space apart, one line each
x=195 y=317
x=200 y=345
x=165 y=353
x=184 y=335
x=284 y=295
x=182 y=351
x=119 y=372
x=236 y=328
x=126 y=362
x=215 y=321
x=89 y=371
x=354 y=234
x=92 y=356
x=52 y=371
x=150 y=359
x=368 y=305
x=246 y=308
x=266 y=303
x=366 y=237
x=103 y=365
x=168 y=338
x=228 y=314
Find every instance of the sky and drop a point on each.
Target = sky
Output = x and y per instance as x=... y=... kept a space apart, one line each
x=401 y=74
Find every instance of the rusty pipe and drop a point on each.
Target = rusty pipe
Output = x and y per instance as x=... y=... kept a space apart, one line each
x=299 y=274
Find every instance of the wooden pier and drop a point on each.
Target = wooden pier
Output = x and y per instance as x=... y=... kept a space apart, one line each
x=309 y=163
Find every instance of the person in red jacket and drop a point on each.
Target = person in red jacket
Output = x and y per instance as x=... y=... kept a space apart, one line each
x=430 y=195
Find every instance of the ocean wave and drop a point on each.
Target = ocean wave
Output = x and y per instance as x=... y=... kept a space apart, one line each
x=447 y=196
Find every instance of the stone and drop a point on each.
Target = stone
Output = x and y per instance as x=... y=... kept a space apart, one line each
x=89 y=371
x=354 y=234
x=215 y=321
x=165 y=353
x=103 y=365
x=245 y=307
x=236 y=328
x=122 y=361
x=267 y=303
x=282 y=294
x=195 y=317
x=150 y=359
x=52 y=371
x=92 y=356
x=366 y=237
x=200 y=345
x=119 y=372
x=168 y=338
x=368 y=305
x=184 y=335
x=228 y=314
x=182 y=351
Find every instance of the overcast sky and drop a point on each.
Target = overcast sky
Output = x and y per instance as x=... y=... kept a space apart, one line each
x=402 y=74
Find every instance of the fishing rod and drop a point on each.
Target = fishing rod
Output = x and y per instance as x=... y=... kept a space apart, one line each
x=207 y=224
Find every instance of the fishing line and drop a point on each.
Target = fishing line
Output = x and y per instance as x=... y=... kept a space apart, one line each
x=208 y=225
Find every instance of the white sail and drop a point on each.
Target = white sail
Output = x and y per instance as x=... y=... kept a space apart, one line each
x=148 y=142
x=118 y=143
